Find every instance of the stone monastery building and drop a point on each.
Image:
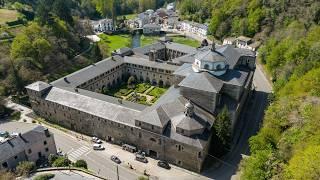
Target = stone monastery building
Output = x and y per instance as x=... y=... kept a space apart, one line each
x=178 y=127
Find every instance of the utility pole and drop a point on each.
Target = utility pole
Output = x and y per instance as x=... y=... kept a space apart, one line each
x=117 y=172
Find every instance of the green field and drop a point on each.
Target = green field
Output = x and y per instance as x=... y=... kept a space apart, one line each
x=115 y=42
x=145 y=40
x=7 y=15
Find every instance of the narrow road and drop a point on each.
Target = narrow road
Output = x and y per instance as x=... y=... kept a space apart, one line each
x=248 y=126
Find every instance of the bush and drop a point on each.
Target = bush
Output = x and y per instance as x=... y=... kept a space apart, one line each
x=24 y=168
x=44 y=176
x=81 y=164
x=7 y=175
x=15 y=115
x=61 y=162
x=52 y=158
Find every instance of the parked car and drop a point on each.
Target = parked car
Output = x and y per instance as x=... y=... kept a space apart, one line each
x=115 y=159
x=129 y=148
x=141 y=158
x=96 y=140
x=98 y=147
x=164 y=164
x=60 y=153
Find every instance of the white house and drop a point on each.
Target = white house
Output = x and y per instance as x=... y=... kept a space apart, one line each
x=194 y=28
x=103 y=25
x=242 y=42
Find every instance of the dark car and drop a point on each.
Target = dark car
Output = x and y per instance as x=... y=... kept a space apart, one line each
x=164 y=164
x=141 y=158
x=115 y=159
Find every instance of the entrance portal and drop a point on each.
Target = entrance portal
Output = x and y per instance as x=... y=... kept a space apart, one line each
x=153 y=154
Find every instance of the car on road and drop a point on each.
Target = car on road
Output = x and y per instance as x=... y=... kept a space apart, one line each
x=164 y=164
x=60 y=153
x=96 y=140
x=98 y=147
x=141 y=158
x=115 y=159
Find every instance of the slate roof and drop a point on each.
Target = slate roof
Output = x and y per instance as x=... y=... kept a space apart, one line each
x=203 y=81
x=181 y=47
x=234 y=77
x=83 y=75
x=184 y=70
x=38 y=86
x=231 y=54
x=16 y=145
x=210 y=56
x=92 y=105
x=151 y=26
x=146 y=62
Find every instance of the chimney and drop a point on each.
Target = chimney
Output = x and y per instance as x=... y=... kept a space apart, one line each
x=152 y=55
x=213 y=46
x=46 y=132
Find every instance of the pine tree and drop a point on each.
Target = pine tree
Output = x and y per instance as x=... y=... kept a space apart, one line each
x=222 y=126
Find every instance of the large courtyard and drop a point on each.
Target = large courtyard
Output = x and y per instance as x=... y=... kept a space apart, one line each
x=137 y=92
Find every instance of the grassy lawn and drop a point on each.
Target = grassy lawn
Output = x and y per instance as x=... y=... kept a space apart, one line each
x=157 y=92
x=142 y=87
x=128 y=16
x=115 y=41
x=186 y=41
x=145 y=40
x=8 y=15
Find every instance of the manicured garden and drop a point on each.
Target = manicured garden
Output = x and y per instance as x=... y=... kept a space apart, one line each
x=142 y=93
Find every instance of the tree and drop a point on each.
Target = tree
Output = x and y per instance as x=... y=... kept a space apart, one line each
x=62 y=10
x=222 y=126
x=131 y=81
x=61 y=162
x=52 y=158
x=81 y=164
x=24 y=168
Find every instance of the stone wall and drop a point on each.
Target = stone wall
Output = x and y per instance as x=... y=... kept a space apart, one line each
x=165 y=148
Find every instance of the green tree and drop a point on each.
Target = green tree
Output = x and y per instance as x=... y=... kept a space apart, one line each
x=81 y=164
x=62 y=10
x=222 y=126
x=24 y=168
x=61 y=162
x=304 y=165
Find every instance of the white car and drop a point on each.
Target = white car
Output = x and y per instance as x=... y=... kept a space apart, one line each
x=98 y=147
x=96 y=140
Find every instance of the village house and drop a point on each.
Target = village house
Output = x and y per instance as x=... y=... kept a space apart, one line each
x=242 y=42
x=194 y=28
x=33 y=144
x=103 y=25
x=151 y=29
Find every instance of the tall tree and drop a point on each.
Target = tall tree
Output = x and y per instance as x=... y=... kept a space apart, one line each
x=222 y=126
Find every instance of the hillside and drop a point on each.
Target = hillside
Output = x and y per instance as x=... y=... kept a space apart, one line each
x=287 y=146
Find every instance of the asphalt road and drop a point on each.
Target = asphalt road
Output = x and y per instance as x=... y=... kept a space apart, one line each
x=248 y=126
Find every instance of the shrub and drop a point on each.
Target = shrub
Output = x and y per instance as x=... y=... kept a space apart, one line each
x=7 y=175
x=15 y=116
x=24 y=168
x=34 y=121
x=81 y=164
x=61 y=162
x=44 y=176
x=52 y=158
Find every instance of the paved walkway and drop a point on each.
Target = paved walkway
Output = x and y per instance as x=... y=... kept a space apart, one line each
x=66 y=175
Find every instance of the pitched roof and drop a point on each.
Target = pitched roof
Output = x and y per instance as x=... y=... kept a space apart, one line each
x=210 y=56
x=202 y=81
x=38 y=86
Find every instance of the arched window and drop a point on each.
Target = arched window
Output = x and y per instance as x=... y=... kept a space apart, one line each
x=218 y=67
x=206 y=66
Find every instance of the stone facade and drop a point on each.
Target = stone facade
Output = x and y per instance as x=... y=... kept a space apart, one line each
x=177 y=128
x=32 y=145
